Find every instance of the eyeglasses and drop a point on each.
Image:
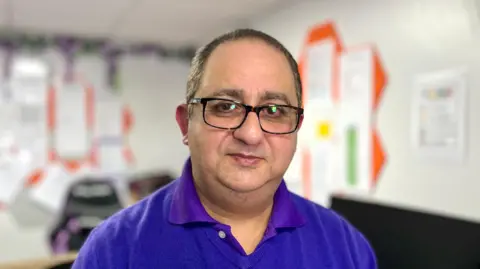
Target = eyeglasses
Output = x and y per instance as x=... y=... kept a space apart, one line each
x=229 y=115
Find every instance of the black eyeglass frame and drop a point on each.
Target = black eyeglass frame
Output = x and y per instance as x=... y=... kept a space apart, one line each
x=248 y=109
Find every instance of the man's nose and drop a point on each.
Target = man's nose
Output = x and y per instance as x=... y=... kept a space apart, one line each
x=250 y=132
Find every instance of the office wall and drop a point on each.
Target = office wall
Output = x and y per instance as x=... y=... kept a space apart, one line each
x=152 y=88
x=412 y=36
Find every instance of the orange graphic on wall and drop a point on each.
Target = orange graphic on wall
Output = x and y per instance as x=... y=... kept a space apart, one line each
x=91 y=159
x=328 y=32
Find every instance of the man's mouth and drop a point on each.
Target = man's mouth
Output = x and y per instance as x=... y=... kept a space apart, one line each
x=246 y=159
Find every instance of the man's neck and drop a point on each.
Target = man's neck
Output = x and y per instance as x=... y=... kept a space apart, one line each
x=237 y=209
x=248 y=228
x=247 y=218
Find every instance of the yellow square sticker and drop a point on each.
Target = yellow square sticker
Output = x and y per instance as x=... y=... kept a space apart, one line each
x=323 y=130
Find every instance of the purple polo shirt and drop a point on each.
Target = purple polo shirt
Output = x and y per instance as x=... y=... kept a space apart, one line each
x=171 y=229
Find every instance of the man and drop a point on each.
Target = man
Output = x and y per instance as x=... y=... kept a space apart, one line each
x=231 y=208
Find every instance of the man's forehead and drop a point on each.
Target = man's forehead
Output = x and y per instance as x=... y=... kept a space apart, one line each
x=245 y=52
x=244 y=69
x=245 y=44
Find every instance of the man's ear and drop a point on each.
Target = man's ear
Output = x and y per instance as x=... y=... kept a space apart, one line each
x=181 y=116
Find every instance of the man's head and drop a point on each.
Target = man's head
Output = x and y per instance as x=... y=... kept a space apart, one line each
x=231 y=148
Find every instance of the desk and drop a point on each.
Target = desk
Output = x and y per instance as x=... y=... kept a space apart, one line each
x=41 y=263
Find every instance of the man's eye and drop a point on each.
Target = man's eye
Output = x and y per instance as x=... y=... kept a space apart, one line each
x=273 y=110
x=226 y=106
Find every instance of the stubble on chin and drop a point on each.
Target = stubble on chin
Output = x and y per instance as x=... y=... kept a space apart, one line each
x=243 y=179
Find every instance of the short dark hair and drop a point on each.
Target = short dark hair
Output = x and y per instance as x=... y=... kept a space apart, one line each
x=197 y=68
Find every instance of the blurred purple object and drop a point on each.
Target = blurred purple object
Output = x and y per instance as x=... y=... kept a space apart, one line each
x=143 y=49
x=112 y=55
x=9 y=47
x=61 y=242
x=73 y=225
x=69 y=47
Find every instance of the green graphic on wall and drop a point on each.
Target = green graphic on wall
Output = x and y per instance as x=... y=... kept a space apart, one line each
x=352 y=155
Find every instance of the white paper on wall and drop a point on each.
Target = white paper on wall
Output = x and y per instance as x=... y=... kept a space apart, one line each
x=32 y=132
x=110 y=156
x=355 y=122
x=439 y=116
x=322 y=163
x=320 y=137
x=50 y=192
x=319 y=71
x=108 y=119
x=29 y=80
x=72 y=138
x=28 y=84
x=14 y=166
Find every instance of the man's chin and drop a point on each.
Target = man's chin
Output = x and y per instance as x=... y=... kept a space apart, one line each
x=244 y=178
x=246 y=181
x=244 y=187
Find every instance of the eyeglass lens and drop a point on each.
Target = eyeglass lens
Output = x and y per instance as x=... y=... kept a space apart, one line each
x=230 y=115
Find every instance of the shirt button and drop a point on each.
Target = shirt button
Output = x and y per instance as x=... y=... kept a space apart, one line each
x=222 y=234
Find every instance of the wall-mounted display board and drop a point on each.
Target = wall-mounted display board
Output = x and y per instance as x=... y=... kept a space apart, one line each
x=439 y=117
x=339 y=145
x=81 y=125
x=55 y=131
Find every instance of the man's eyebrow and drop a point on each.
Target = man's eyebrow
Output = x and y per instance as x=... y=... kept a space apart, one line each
x=269 y=96
x=233 y=93
x=238 y=94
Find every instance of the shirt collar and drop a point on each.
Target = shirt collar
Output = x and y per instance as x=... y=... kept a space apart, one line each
x=187 y=208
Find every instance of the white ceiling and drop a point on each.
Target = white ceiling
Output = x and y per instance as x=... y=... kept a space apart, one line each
x=169 y=22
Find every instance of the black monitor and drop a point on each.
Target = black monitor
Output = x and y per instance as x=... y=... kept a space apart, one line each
x=407 y=239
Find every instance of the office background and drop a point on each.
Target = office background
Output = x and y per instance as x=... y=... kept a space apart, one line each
x=413 y=36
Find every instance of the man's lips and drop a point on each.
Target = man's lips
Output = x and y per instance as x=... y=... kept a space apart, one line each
x=246 y=159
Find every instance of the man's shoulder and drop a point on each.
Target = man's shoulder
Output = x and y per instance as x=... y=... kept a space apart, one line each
x=322 y=218
x=138 y=215
x=336 y=232
x=112 y=240
x=317 y=214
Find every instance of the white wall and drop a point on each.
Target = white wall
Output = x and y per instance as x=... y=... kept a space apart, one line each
x=153 y=88
x=412 y=36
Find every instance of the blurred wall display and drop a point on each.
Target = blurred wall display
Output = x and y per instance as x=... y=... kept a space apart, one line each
x=49 y=193
x=112 y=124
x=14 y=167
x=339 y=146
x=360 y=73
x=439 y=108
x=71 y=46
x=72 y=122
x=79 y=108
x=22 y=124
x=53 y=114
x=28 y=84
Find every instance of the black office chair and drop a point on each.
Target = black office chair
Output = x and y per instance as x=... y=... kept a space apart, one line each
x=89 y=201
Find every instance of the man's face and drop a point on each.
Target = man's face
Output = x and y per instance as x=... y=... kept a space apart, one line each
x=245 y=159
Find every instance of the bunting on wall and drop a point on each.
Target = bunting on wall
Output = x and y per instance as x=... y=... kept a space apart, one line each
x=342 y=90
x=71 y=47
